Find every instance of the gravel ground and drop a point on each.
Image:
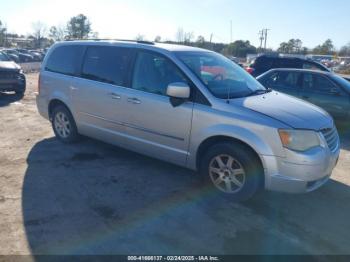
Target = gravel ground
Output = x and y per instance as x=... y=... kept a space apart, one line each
x=93 y=198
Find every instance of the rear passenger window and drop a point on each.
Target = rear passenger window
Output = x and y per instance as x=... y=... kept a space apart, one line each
x=65 y=60
x=107 y=64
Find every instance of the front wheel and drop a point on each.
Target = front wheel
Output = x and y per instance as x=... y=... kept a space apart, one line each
x=63 y=125
x=232 y=169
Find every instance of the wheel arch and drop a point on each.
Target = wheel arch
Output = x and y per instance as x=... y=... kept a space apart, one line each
x=213 y=140
x=54 y=103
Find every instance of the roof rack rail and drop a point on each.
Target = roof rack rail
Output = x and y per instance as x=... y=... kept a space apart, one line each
x=112 y=39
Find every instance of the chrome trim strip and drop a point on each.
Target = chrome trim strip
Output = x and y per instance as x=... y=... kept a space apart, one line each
x=133 y=127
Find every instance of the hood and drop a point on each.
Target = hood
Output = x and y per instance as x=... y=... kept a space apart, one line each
x=289 y=110
x=9 y=65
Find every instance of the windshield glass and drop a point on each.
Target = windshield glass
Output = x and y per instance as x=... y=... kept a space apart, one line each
x=221 y=76
x=343 y=82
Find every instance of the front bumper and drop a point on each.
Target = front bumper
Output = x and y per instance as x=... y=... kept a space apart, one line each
x=13 y=83
x=311 y=171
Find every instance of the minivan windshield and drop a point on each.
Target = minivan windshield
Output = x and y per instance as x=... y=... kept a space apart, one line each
x=223 y=78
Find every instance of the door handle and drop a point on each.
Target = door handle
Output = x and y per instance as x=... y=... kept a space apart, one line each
x=115 y=96
x=134 y=101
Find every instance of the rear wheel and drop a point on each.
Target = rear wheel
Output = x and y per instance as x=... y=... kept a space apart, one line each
x=233 y=169
x=63 y=125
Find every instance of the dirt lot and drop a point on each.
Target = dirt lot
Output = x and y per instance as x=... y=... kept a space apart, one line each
x=92 y=198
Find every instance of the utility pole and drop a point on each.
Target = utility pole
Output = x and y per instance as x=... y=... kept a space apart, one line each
x=266 y=30
x=261 y=38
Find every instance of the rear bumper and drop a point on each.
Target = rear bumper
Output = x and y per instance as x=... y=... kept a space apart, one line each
x=42 y=106
x=284 y=176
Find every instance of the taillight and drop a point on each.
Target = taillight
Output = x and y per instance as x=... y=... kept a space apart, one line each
x=250 y=70
x=38 y=87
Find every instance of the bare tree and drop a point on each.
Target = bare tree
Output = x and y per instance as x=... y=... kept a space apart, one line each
x=189 y=36
x=140 y=37
x=184 y=37
x=39 y=32
x=58 y=33
x=180 y=35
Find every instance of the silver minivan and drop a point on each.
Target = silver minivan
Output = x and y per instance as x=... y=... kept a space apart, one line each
x=191 y=107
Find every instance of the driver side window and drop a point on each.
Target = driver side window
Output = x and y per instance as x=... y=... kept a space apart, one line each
x=153 y=73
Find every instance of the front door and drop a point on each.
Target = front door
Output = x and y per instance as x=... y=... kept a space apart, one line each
x=154 y=126
x=321 y=91
x=284 y=81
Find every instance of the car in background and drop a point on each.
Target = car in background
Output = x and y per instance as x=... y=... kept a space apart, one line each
x=324 y=89
x=37 y=55
x=13 y=55
x=25 y=55
x=11 y=76
x=264 y=63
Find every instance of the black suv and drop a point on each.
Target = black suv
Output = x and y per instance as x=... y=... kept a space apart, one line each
x=264 y=63
x=11 y=76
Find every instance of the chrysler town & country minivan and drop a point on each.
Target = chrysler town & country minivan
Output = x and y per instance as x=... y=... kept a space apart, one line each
x=191 y=107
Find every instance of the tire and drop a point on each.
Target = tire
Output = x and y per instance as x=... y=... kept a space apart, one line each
x=240 y=178
x=63 y=125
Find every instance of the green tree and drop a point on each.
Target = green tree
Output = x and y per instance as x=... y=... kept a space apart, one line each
x=158 y=39
x=327 y=48
x=293 y=46
x=240 y=48
x=200 y=42
x=79 y=27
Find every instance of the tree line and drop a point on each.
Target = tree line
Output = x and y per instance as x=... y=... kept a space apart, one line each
x=79 y=27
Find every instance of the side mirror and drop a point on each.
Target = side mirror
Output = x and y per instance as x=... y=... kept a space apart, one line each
x=178 y=93
x=178 y=90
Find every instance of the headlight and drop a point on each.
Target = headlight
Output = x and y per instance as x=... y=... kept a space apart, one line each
x=299 y=140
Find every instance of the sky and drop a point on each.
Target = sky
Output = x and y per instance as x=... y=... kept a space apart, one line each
x=312 y=21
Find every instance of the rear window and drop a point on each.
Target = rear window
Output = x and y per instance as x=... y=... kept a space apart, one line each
x=65 y=60
x=107 y=64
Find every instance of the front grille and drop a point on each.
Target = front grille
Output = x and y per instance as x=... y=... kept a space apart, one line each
x=331 y=137
x=8 y=75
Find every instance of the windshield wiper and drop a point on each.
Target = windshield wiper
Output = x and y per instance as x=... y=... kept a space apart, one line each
x=260 y=92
